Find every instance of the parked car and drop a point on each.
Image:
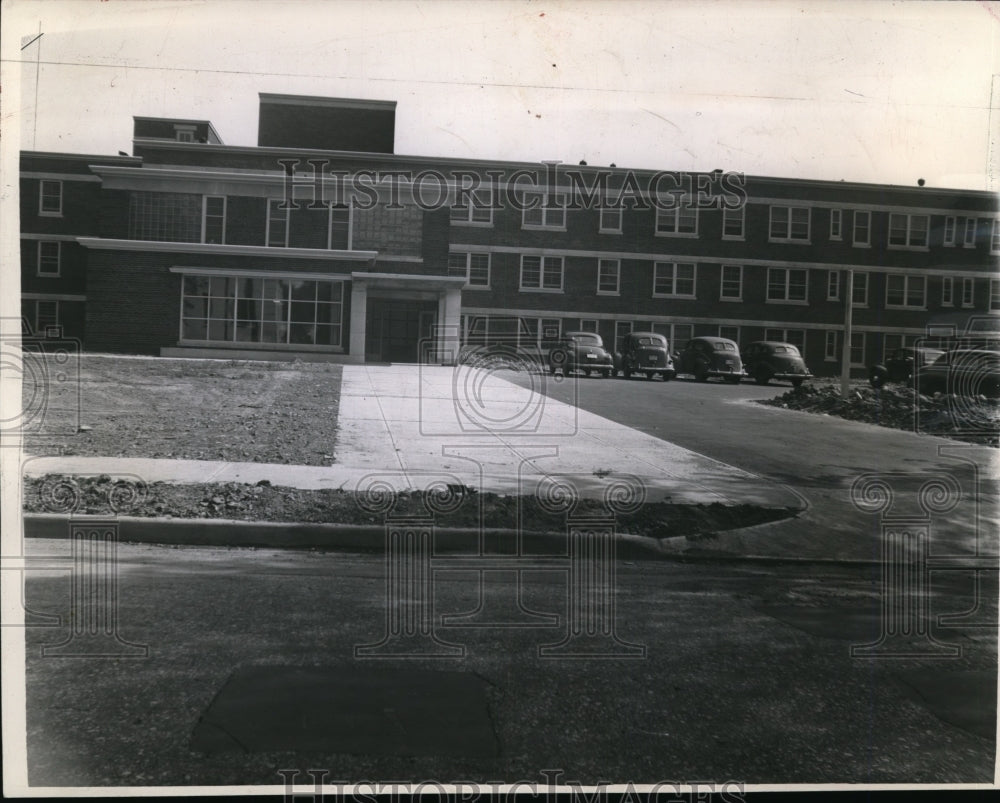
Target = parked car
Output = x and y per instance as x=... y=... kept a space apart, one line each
x=645 y=353
x=963 y=372
x=580 y=351
x=899 y=366
x=765 y=360
x=711 y=356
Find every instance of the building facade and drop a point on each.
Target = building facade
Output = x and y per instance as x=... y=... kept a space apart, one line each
x=322 y=243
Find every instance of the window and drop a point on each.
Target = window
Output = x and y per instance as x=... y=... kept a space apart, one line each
x=862 y=228
x=908 y=231
x=859 y=298
x=797 y=337
x=790 y=224
x=588 y=325
x=833 y=285
x=968 y=292
x=185 y=136
x=836 y=224
x=891 y=343
x=339 y=233
x=994 y=294
x=546 y=212
x=857 y=348
x=176 y=217
x=541 y=273
x=622 y=328
x=830 y=347
x=49 y=258
x=478 y=213
x=733 y=223
x=681 y=333
x=995 y=238
x=277 y=223
x=674 y=279
x=50 y=198
x=611 y=220
x=608 y=276
x=970 y=232
x=732 y=283
x=245 y=309
x=474 y=267
x=787 y=284
x=681 y=221
x=213 y=220
x=905 y=291
x=948 y=291
x=730 y=333
x=949 y=231
x=40 y=314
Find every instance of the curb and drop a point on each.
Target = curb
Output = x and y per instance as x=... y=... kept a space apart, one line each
x=290 y=535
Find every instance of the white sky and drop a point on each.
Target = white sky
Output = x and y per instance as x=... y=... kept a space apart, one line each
x=885 y=92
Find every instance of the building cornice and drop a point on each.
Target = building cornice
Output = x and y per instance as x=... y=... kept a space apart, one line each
x=100 y=243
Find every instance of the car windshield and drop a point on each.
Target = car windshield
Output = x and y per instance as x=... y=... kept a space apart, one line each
x=720 y=345
x=586 y=340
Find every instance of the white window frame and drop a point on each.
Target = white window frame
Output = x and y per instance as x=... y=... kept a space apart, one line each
x=657 y=266
x=722 y=283
x=273 y=203
x=907 y=278
x=350 y=226
x=789 y=223
x=726 y=215
x=836 y=224
x=184 y=133
x=995 y=238
x=668 y=221
x=831 y=345
x=722 y=334
x=204 y=216
x=950 y=229
x=36 y=304
x=589 y=325
x=862 y=337
x=994 y=295
x=470 y=210
x=557 y=211
x=617 y=273
x=833 y=285
x=784 y=338
x=603 y=228
x=58 y=259
x=866 y=216
x=42 y=211
x=863 y=276
x=616 y=345
x=786 y=300
x=541 y=288
x=466 y=258
x=908 y=244
x=947 y=291
x=969 y=238
x=968 y=292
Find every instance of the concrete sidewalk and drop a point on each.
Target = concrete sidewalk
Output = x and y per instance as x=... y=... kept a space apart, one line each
x=406 y=426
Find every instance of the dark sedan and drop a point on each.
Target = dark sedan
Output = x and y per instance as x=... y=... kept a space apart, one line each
x=645 y=353
x=963 y=372
x=900 y=365
x=580 y=351
x=765 y=360
x=705 y=357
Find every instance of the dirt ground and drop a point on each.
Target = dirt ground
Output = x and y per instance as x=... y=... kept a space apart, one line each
x=254 y=412
x=265 y=502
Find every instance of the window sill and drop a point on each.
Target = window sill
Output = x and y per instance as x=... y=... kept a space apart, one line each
x=692 y=235
x=892 y=247
x=674 y=295
x=794 y=302
x=536 y=227
x=50 y=214
x=477 y=287
x=609 y=292
x=861 y=245
x=830 y=298
x=734 y=300
x=736 y=238
x=41 y=275
x=609 y=231
x=472 y=224
x=789 y=240
x=539 y=289
x=903 y=306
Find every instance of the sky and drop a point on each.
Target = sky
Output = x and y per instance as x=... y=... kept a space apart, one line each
x=875 y=91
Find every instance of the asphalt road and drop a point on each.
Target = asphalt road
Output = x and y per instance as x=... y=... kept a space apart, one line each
x=746 y=676
x=818 y=456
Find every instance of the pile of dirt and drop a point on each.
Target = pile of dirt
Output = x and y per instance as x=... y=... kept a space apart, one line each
x=461 y=507
x=974 y=420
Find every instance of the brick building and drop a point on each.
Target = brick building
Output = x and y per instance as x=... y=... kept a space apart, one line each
x=189 y=247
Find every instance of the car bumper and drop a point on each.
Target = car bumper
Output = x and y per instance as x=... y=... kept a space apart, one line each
x=790 y=377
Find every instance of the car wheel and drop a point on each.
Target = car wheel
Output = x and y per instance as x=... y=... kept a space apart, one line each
x=628 y=373
x=701 y=375
x=667 y=377
x=761 y=376
x=649 y=375
x=877 y=378
x=797 y=383
x=605 y=374
x=732 y=380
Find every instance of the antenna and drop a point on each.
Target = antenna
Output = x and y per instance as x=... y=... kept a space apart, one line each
x=38 y=67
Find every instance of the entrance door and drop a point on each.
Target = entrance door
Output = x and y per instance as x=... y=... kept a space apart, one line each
x=394 y=328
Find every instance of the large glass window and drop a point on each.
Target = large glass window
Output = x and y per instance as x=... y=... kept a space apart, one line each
x=786 y=284
x=789 y=224
x=244 y=309
x=674 y=279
